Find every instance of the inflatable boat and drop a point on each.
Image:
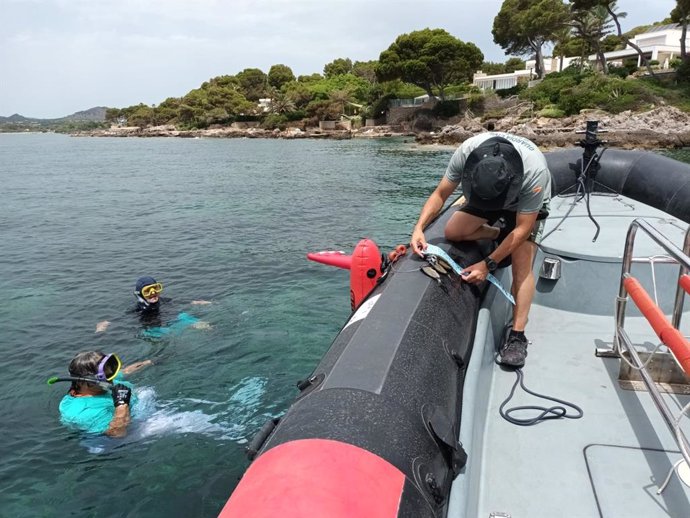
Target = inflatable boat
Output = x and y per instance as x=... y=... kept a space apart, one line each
x=404 y=416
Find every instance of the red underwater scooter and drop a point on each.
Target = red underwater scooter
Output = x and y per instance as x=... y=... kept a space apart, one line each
x=366 y=264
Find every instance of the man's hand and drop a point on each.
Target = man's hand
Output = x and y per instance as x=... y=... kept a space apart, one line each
x=102 y=326
x=476 y=273
x=418 y=242
x=121 y=395
x=201 y=325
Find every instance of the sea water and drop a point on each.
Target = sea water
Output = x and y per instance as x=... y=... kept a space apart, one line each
x=228 y=221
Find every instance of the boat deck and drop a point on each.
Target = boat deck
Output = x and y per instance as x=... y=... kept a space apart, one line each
x=610 y=462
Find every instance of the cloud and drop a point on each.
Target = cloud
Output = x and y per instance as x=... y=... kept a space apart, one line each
x=61 y=56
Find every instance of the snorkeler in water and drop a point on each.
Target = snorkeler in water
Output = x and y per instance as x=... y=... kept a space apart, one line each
x=99 y=400
x=149 y=302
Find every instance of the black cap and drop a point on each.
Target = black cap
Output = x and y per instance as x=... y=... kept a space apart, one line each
x=493 y=175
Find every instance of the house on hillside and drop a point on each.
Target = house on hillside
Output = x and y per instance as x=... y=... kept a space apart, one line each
x=505 y=81
x=661 y=43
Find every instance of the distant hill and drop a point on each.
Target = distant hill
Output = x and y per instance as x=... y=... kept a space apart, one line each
x=92 y=114
x=87 y=119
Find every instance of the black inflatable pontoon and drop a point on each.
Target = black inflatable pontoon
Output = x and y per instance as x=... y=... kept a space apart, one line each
x=373 y=432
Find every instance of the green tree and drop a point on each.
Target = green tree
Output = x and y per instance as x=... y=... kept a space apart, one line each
x=681 y=14
x=168 y=111
x=340 y=98
x=299 y=93
x=513 y=64
x=612 y=9
x=230 y=82
x=310 y=78
x=279 y=75
x=365 y=70
x=253 y=83
x=112 y=115
x=141 y=116
x=490 y=68
x=431 y=59
x=522 y=27
x=337 y=67
x=232 y=101
x=591 y=25
x=359 y=88
x=281 y=102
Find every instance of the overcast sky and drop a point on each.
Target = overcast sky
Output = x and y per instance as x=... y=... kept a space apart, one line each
x=62 y=56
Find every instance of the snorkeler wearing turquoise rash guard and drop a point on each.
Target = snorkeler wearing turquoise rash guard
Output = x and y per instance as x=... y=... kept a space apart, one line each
x=147 y=292
x=99 y=400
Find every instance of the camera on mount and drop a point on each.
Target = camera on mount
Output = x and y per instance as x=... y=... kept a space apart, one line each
x=591 y=141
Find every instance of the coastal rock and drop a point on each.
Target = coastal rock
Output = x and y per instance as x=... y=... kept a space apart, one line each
x=660 y=127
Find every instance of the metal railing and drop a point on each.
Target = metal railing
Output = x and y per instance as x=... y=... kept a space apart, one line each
x=623 y=343
x=679 y=256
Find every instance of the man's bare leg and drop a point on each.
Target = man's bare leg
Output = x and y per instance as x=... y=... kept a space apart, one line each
x=523 y=283
x=466 y=227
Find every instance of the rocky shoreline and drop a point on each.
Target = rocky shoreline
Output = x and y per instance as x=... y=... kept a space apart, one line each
x=661 y=127
x=230 y=132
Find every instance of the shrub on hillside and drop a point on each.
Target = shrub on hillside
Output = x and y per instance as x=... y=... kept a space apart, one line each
x=551 y=112
x=549 y=90
x=683 y=72
x=571 y=91
x=611 y=94
x=274 y=121
x=446 y=109
x=515 y=90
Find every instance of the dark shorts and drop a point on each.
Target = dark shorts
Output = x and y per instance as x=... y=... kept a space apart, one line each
x=509 y=217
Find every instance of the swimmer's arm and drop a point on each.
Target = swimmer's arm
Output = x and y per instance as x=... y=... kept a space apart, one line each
x=200 y=302
x=102 y=326
x=119 y=422
x=134 y=367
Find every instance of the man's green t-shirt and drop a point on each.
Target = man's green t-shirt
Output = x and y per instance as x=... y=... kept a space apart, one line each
x=91 y=414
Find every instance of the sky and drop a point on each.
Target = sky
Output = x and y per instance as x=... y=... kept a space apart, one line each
x=62 y=56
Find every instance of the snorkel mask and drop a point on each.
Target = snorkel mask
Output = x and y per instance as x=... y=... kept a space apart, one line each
x=110 y=362
x=147 y=287
x=108 y=368
x=152 y=289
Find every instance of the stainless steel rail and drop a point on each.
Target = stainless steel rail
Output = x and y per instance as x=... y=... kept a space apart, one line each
x=680 y=256
x=621 y=340
x=658 y=400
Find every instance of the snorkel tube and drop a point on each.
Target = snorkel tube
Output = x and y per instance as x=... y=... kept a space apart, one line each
x=105 y=385
x=108 y=368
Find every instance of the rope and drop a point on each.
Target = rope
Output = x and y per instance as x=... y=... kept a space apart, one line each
x=545 y=413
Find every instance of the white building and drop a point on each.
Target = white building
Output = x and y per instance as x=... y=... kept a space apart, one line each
x=505 y=81
x=660 y=43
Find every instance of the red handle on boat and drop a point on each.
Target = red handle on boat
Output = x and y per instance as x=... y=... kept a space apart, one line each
x=399 y=251
x=684 y=282
x=662 y=327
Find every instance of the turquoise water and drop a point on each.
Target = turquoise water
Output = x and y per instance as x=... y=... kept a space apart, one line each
x=229 y=221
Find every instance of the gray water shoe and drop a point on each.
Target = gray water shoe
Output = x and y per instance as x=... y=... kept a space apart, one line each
x=514 y=352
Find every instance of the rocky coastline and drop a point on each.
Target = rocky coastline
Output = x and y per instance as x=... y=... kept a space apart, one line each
x=232 y=132
x=661 y=127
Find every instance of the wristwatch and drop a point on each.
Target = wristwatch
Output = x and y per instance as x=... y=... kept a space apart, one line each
x=490 y=264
